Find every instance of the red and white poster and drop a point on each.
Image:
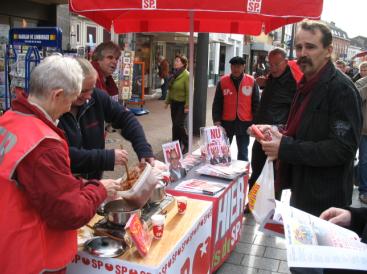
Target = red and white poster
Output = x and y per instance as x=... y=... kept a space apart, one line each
x=228 y=209
x=216 y=146
x=190 y=255
x=170 y=149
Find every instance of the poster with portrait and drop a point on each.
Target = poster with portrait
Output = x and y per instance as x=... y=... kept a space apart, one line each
x=216 y=145
x=173 y=157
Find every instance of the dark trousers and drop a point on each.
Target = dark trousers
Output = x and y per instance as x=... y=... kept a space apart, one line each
x=257 y=162
x=164 y=88
x=362 y=165
x=242 y=145
x=178 y=117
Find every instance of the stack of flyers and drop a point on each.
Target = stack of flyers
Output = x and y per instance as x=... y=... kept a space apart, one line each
x=235 y=169
x=200 y=186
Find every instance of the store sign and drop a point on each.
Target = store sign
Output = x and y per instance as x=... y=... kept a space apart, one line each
x=40 y=37
x=254 y=6
x=149 y=4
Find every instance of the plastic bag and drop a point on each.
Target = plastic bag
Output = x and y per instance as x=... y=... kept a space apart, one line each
x=139 y=194
x=139 y=234
x=261 y=195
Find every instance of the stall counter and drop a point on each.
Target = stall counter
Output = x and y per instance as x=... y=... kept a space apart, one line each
x=184 y=247
x=228 y=211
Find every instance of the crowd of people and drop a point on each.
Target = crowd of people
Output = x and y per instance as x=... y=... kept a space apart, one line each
x=53 y=141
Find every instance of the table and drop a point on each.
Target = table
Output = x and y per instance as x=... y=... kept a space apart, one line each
x=184 y=248
x=228 y=210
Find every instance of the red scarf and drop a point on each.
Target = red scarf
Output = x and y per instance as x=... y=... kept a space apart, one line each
x=109 y=85
x=300 y=102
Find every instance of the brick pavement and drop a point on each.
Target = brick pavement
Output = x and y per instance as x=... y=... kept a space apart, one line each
x=256 y=252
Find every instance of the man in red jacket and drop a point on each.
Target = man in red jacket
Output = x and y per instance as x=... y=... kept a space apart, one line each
x=42 y=203
x=104 y=59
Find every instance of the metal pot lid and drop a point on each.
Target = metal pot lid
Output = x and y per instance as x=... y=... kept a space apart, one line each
x=104 y=247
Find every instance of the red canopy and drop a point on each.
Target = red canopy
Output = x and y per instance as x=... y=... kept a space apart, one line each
x=231 y=16
x=361 y=54
x=224 y=16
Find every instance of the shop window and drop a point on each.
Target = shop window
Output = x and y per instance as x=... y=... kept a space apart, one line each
x=106 y=36
x=75 y=34
x=91 y=37
x=78 y=34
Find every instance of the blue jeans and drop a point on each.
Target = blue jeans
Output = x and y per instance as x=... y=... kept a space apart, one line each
x=362 y=165
x=242 y=146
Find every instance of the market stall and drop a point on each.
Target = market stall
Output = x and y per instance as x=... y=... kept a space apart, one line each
x=251 y=17
x=183 y=248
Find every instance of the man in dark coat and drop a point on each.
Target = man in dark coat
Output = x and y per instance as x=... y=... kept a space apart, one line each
x=317 y=150
x=84 y=129
x=279 y=89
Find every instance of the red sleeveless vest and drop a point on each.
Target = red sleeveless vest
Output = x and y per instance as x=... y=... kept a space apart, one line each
x=296 y=71
x=237 y=103
x=27 y=244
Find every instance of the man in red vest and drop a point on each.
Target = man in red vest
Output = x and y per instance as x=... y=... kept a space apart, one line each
x=42 y=203
x=235 y=103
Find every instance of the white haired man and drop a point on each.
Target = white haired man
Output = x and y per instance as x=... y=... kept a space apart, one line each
x=42 y=202
x=84 y=129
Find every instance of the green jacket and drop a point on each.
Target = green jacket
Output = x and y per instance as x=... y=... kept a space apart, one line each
x=179 y=89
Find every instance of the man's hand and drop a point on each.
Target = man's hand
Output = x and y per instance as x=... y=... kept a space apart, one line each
x=149 y=160
x=263 y=128
x=186 y=110
x=271 y=148
x=337 y=216
x=121 y=157
x=111 y=186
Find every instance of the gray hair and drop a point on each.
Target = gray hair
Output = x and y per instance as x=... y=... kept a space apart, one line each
x=98 y=53
x=279 y=51
x=56 y=72
x=363 y=65
x=86 y=66
x=312 y=26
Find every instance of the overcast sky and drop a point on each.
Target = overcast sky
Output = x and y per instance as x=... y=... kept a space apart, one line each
x=349 y=15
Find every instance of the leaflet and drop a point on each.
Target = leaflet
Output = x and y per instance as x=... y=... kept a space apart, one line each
x=200 y=186
x=315 y=243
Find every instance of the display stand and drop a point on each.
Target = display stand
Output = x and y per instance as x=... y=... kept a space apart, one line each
x=137 y=97
x=26 y=48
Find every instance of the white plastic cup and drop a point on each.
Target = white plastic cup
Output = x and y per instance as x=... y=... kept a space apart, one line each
x=181 y=204
x=158 y=225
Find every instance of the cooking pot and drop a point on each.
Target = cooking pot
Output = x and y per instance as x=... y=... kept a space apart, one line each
x=158 y=194
x=118 y=211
